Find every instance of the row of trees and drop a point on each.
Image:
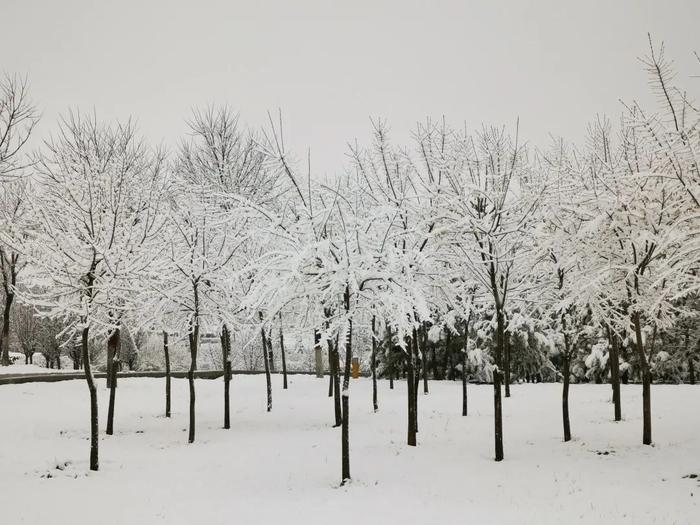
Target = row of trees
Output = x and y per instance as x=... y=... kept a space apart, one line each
x=525 y=260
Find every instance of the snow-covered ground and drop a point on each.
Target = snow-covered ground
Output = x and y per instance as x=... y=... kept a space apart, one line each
x=21 y=368
x=284 y=466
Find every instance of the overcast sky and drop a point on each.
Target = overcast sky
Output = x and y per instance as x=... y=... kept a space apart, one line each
x=331 y=65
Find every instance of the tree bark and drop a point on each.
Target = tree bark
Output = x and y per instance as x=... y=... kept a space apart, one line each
x=507 y=363
x=449 y=369
x=284 y=357
x=267 y=367
x=94 y=428
x=5 y=335
x=335 y=377
x=424 y=354
x=113 y=344
x=330 y=370
x=565 y=398
x=167 y=373
x=566 y=373
x=410 y=384
x=464 y=384
x=375 y=404
x=345 y=430
x=646 y=380
x=498 y=420
x=194 y=340
x=497 y=378
x=388 y=356
x=226 y=353
x=464 y=366
x=416 y=377
x=615 y=373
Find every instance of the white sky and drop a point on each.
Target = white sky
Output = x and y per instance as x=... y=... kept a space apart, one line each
x=331 y=65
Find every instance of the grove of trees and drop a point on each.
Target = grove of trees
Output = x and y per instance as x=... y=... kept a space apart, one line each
x=464 y=254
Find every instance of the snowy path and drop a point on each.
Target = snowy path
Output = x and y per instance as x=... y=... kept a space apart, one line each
x=284 y=467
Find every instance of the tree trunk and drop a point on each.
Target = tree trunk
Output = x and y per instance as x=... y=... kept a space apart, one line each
x=284 y=357
x=94 y=429
x=113 y=344
x=330 y=369
x=194 y=340
x=565 y=397
x=388 y=355
x=267 y=367
x=464 y=366
x=167 y=373
x=335 y=377
x=615 y=373
x=5 y=335
x=507 y=363
x=448 y=356
x=416 y=376
x=498 y=417
x=345 y=431
x=373 y=365
x=269 y=349
x=646 y=381
x=410 y=384
x=424 y=354
x=498 y=420
x=464 y=384
x=226 y=353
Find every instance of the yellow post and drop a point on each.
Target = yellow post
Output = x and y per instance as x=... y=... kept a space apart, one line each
x=355 y=367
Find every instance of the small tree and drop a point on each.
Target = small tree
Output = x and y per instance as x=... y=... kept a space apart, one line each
x=95 y=202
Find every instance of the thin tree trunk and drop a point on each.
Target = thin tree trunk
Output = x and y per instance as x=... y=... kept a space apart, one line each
x=167 y=373
x=375 y=404
x=566 y=372
x=448 y=356
x=5 y=335
x=269 y=349
x=497 y=377
x=330 y=370
x=410 y=386
x=424 y=355
x=498 y=420
x=388 y=354
x=335 y=376
x=565 y=397
x=615 y=373
x=193 y=339
x=507 y=363
x=113 y=344
x=226 y=353
x=345 y=431
x=267 y=367
x=646 y=381
x=464 y=384
x=464 y=365
x=284 y=357
x=416 y=376
x=94 y=428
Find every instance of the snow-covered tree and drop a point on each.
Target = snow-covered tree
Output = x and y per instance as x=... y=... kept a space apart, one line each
x=95 y=204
